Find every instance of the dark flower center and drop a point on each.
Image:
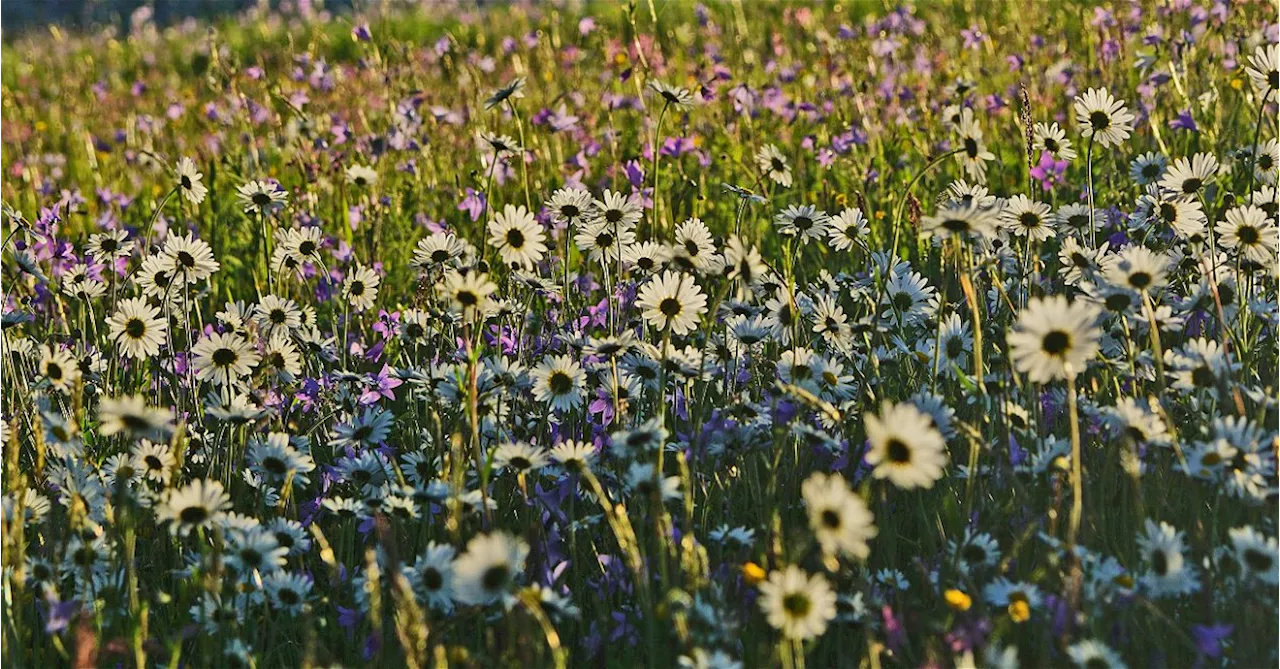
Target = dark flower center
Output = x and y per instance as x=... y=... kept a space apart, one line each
x=515 y=239
x=1257 y=560
x=1056 y=342
x=559 y=383
x=495 y=577
x=193 y=515
x=1248 y=235
x=797 y=604
x=898 y=451
x=1099 y=120
x=225 y=357
x=670 y=307
x=830 y=519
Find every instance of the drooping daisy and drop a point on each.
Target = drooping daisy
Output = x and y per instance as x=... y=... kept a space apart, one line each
x=199 y=504
x=1103 y=118
x=797 y=604
x=261 y=197
x=517 y=236
x=975 y=552
x=674 y=96
x=906 y=448
x=672 y=300
x=774 y=164
x=806 y=221
x=559 y=382
x=1054 y=338
x=189 y=181
x=360 y=288
x=1250 y=234
x=223 y=359
x=489 y=567
x=839 y=518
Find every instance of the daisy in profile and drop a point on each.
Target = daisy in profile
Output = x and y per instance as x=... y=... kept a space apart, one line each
x=1102 y=118
x=559 y=381
x=189 y=181
x=198 y=505
x=1264 y=69
x=805 y=221
x=672 y=300
x=839 y=518
x=674 y=96
x=1168 y=573
x=489 y=568
x=223 y=359
x=1093 y=654
x=361 y=176
x=570 y=205
x=360 y=288
x=59 y=368
x=1256 y=554
x=519 y=457
x=906 y=448
x=961 y=221
x=517 y=236
x=497 y=145
x=261 y=197
x=514 y=90
x=574 y=456
x=467 y=293
x=1250 y=234
x=1189 y=175
x=1075 y=218
x=774 y=165
x=797 y=604
x=438 y=250
x=1054 y=338
x=1137 y=268
x=1049 y=138
x=1025 y=217
x=131 y=415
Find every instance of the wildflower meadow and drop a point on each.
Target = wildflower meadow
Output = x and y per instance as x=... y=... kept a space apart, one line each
x=643 y=334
